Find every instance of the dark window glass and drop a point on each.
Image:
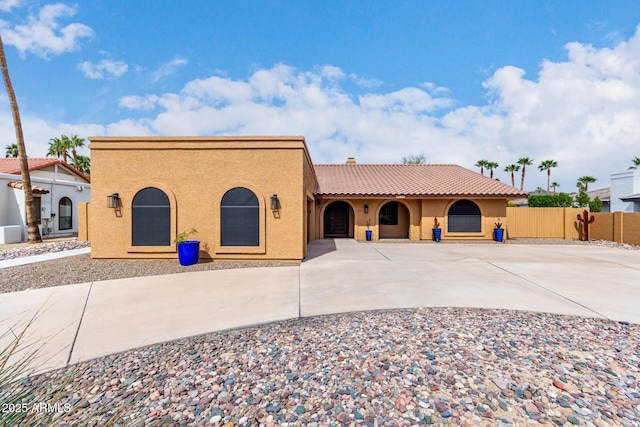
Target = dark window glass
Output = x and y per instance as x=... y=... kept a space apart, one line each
x=151 y=218
x=239 y=218
x=64 y=214
x=389 y=214
x=37 y=205
x=464 y=217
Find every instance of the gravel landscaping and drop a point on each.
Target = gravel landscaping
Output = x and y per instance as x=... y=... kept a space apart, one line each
x=432 y=366
x=427 y=366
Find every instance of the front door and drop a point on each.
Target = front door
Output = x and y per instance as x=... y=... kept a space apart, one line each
x=336 y=220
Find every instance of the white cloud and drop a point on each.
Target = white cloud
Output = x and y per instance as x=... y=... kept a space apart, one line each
x=364 y=82
x=139 y=103
x=583 y=112
x=7 y=5
x=104 y=69
x=42 y=35
x=168 y=68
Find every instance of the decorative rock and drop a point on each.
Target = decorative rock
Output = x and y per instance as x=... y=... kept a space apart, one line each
x=273 y=408
x=559 y=384
x=384 y=379
x=501 y=383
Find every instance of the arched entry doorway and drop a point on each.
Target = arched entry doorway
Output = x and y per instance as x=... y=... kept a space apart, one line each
x=338 y=217
x=394 y=221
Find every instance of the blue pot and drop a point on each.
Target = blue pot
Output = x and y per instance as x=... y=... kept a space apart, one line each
x=369 y=235
x=437 y=234
x=498 y=234
x=189 y=252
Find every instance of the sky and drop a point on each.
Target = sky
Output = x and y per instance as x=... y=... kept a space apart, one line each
x=458 y=81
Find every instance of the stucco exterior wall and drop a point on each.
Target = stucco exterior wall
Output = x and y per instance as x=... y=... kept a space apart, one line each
x=12 y=204
x=195 y=173
x=57 y=172
x=624 y=184
x=491 y=210
x=419 y=220
x=9 y=202
x=310 y=225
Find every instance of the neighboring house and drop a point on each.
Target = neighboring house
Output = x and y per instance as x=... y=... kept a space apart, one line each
x=604 y=194
x=625 y=191
x=263 y=198
x=57 y=188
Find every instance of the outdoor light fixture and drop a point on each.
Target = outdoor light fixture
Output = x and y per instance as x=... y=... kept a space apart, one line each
x=366 y=208
x=275 y=203
x=113 y=201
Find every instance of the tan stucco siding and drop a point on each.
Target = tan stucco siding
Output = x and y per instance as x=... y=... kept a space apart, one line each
x=491 y=211
x=196 y=177
x=309 y=229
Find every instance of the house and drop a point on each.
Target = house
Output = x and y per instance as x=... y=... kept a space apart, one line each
x=262 y=198
x=57 y=187
x=625 y=191
x=604 y=194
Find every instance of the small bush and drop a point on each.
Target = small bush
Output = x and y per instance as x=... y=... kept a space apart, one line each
x=560 y=200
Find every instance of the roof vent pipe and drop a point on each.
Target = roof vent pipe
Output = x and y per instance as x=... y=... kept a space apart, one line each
x=351 y=160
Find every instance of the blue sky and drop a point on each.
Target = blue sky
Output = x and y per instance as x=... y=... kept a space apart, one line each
x=458 y=81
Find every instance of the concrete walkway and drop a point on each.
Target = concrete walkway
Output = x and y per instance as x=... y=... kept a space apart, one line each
x=83 y=321
x=6 y=263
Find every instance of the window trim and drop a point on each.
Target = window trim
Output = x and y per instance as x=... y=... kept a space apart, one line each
x=217 y=222
x=60 y=214
x=397 y=213
x=127 y=203
x=478 y=233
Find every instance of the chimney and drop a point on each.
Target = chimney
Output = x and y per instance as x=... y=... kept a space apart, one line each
x=351 y=160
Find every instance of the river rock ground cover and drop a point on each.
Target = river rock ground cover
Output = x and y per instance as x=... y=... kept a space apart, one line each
x=428 y=366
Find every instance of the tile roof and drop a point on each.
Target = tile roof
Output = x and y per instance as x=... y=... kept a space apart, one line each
x=408 y=180
x=12 y=165
x=34 y=188
x=603 y=194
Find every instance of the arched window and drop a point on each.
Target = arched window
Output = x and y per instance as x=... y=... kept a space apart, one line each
x=64 y=214
x=464 y=216
x=151 y=218
x=239 y=218
x=389 y=214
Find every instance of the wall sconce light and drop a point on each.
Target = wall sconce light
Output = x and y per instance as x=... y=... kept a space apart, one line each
x=113 y=201
x=366 y=209
x=275 y=203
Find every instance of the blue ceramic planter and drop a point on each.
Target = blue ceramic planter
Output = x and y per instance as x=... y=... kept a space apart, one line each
x=369 y=235
x=437 y=234
x=498 y=234
x=189 y=252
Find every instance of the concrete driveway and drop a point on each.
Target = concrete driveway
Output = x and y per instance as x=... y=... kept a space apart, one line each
x=582 y=280
x=83 y=321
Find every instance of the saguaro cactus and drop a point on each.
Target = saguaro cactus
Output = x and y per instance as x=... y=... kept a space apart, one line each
x=584 y=219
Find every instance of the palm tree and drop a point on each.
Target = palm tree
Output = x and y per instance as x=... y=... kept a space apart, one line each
x=481 y=164
x=491 y=166
x=636 y=163
x=83 y=164
x=546 y=165
x=33 y=233
x=413 y=159
x=554 y=185
x=512 y=168
x=524 y=161
x=586 y=180
x=12 y=150
x=58 y=148
x=76 y=142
